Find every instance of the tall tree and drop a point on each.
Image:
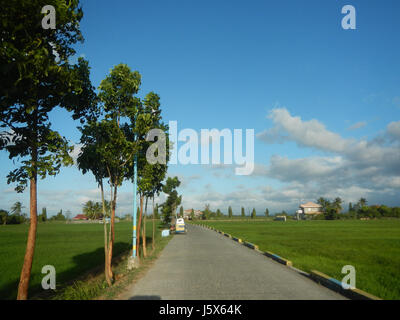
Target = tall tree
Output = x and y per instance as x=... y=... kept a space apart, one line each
x=206 y=212
x=40 y=77
x=173 y=200
x=150 y=173
x=362 y=202
x=94 y=210
x=230 y=212
x=266 y=212
x=17 y=208
x=107 y=150
x=181 y=212
x=89 y=209
x=43 y=216
x=243 y=213
x=105 y=153
x=59 y=216
x=253 y=213
x=117 y=92
x=325 y=203
x=337 y=205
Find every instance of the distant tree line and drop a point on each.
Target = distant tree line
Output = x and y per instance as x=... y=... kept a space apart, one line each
x=209 y=214
x=332 y=210
x=15 y=215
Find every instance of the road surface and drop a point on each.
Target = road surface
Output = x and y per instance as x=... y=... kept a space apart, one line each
x=205 y=265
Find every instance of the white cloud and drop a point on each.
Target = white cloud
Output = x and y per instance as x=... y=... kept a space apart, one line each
x=393 y=130
x=310 y=133
x=313 y=134
x=75 y=153
x=302 y=170
x=352 y=168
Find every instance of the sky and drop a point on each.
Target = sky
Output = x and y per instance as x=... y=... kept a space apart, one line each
x=324 y=102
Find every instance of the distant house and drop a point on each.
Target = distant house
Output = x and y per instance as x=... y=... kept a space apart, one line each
x=80 y=217
x=309 y=209
x=188 y=213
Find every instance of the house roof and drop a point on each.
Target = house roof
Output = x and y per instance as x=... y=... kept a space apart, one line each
x=80 y=216
x=310 y=205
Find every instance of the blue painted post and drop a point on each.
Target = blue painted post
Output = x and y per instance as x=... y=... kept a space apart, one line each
x=134 y=205
x=134 y=200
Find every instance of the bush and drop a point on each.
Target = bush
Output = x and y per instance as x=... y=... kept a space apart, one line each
x=3 y=216
x=331 y=214
x=15 y=219
x=319 y=217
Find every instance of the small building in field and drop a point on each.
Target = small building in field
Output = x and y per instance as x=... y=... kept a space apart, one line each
x=309 y=209
x=80 y=217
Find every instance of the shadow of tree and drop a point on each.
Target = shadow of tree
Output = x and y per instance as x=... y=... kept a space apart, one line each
x=85 y=264
x=9 y=291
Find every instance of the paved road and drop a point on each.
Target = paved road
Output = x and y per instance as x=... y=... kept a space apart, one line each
x=205 y=265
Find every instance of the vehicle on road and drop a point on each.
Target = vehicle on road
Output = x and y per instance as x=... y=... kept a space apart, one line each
x=180 y=226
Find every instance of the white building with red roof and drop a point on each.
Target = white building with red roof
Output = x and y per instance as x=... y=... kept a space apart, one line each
x=310 y=209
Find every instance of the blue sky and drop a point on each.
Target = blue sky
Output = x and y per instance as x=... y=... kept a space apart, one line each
x=324 y=102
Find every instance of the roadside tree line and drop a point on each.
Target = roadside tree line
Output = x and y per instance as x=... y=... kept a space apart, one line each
x=113 y=122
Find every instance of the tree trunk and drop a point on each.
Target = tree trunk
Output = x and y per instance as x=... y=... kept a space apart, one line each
x=112 y=232
x=114 y=205
x=139 y=225
x=153 y=243
x=144 y=231
x=30 y=245
x=106 y=267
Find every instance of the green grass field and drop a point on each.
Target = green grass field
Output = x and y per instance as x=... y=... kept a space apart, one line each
x=72 y=249
x=372 y=247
